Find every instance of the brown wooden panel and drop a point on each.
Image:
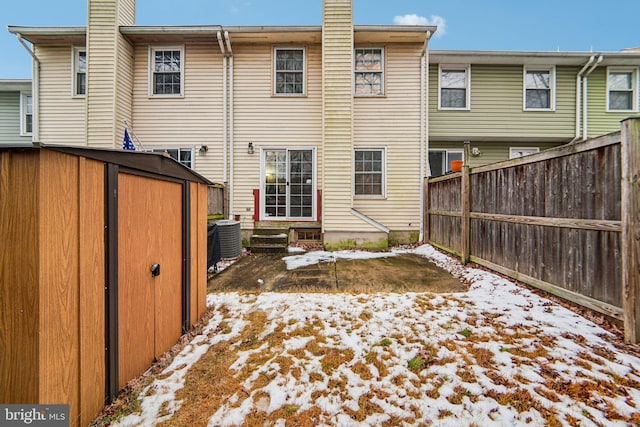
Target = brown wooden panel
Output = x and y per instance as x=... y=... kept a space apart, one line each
x=193 y=315
x=92 y=340
x=137 y=240
x=58 y=252
x=167 y=251
x=19 y=305
x=202 y=249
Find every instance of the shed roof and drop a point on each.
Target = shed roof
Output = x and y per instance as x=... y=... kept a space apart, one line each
x=151 y=163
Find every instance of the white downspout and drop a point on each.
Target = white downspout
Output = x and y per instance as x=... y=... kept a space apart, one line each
x=231 y=141
x=424 y=111
x=578 y=94
x=224 y=106
x=585 y=93
x=35 y=90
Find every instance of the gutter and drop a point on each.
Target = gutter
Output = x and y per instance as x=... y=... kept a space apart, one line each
x=424 y=124
x=585 y=103
x=231 y=140
x=224 y=106
x=578 y=94
x=35 y=89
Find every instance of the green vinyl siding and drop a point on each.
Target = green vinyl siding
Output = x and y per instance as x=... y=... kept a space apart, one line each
x=497 y=107
x=490 y=152
x=10 y=119
x=601 y=121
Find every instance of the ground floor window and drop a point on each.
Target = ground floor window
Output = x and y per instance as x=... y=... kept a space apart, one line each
x=440 y=160
x=369 y=172
x=515 y=152
x=182 y=155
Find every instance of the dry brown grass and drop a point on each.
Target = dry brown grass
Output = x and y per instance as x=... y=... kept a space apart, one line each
x=333 y=358
x=365 y=408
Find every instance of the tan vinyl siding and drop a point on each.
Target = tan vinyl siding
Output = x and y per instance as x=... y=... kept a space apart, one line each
x=271 y=121
x=490 y=151
x=62 y=117
x=123 y=94
x=497 y=107
x=10 y=119
x=337 y=53
x=393 y=122
x=599 y=120
x=189 y=121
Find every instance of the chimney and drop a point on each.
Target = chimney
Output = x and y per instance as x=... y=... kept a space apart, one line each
x=109 y=71
x=337 y=112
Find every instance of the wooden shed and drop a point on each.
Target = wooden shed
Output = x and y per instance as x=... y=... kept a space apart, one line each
x=81 y=311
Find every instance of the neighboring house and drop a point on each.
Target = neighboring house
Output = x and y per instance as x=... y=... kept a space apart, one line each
x=509 y=104
x=324 y=130
x=16 y=112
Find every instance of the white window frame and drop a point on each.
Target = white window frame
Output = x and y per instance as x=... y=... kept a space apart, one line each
x=381 y=72
x=161 y=150
x=152 y=51
x=274 y=90
x=551 y=69
x=467 y=70
x=634 y=87
x=513 y=151
x=23 y=114
x=383 y=194
x=75 y=52
x=446 y=152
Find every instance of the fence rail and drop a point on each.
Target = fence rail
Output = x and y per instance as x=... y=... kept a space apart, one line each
x=562 y=220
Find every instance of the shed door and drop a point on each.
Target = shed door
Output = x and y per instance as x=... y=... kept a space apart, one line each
x=149 y=308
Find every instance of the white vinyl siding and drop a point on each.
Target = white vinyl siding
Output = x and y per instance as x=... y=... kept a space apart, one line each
x=392 y=122
x=166 y=71
x=289 y=71
x=62 y=117
x=189 y=121
x=369 y=72
x=454 y=87
x=79 y=71
x=539 y=88
x=622 y=89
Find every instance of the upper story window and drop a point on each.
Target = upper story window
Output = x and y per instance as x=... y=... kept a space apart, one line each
x=79 y=71
x=369 y=172
x=539 y=88
x=622 y=92
x=289 y=67
x=369 y=69
x=167 y=71
x=454 y=91
x=182 y=155
x=26 y=114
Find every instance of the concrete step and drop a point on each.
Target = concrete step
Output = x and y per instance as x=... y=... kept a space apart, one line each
x=270 y=239
x=268 y=249
x=264 y=231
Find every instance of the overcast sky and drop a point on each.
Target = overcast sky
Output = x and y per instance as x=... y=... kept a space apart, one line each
x=542 y=25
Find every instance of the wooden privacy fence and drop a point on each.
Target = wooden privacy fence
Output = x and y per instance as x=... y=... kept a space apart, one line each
x=566 y=220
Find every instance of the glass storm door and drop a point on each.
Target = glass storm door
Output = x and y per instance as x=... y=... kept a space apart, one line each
x=288 y=184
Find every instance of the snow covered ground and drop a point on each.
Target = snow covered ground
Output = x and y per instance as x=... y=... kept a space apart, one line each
x=496 y=355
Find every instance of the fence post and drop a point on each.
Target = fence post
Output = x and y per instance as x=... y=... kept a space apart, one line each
x=464 y=205
x=630 y=212
x=425 y=212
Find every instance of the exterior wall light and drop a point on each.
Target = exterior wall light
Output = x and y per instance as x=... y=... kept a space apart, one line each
x=203 y=150
x=250 y=148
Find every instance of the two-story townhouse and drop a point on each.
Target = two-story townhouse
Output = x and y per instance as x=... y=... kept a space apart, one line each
x=16 y=111
x=316 y=129
x=509 y=104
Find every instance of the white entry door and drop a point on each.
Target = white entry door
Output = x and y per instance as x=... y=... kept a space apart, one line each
x=288 y=184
